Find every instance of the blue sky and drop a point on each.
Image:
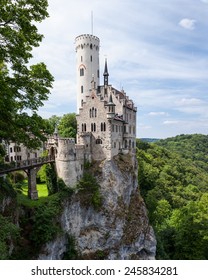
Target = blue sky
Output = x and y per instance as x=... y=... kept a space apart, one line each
x=157 y=52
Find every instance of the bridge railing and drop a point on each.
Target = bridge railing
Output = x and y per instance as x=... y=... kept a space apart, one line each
x=23 y=164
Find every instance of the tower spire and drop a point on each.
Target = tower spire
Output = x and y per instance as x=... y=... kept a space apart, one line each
x=106 y=74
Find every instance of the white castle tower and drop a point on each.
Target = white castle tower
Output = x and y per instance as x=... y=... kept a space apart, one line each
x=87 y=66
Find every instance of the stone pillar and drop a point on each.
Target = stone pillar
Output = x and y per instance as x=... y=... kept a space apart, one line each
x=32 y=190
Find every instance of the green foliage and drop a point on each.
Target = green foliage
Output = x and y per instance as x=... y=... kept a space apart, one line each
x=71 y=252
x=51 y=179
x=174 y=182
x=23 y=88
x=89 y=191
x=45 y=224
x=9 y=232
x=68 y=126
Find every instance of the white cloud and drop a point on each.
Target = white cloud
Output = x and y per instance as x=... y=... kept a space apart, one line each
x=188 y=23
x=158 y=114
x=169 y=122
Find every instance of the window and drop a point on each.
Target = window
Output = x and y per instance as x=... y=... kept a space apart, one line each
x=104 y=127
x=81 y=58
x=101 y=126
x=95 y=113
x=10 y=150
x=91 y=58
x=93 y=127
x=85 y=127
x=81 y=71
x=98 y=141
x=98 y=73
x=91 y=46
x=114 y=144
x=82 y=89
x=90 y=113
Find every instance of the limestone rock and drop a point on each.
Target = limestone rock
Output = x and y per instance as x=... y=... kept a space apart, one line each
x=120 y=229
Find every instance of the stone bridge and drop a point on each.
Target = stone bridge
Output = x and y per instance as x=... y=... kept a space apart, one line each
x=31 y=167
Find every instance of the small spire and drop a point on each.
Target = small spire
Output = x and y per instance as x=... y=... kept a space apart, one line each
x=105 y=74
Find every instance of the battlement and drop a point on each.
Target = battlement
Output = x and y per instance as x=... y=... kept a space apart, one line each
x=87 y=40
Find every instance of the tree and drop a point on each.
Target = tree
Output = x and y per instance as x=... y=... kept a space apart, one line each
x=23 y=88
x=68 y=125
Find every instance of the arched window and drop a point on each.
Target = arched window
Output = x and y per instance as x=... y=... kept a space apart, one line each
x=95 y=113
x=129 y=144
x=101 y=126
x=94 y=127
x=85 y=127
x=90 y=113
x=104 y=127
x=81 y=71
x=98 y=141
x=82 y=127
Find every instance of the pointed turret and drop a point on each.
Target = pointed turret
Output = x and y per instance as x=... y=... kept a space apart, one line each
x=105 y=74
x=111 y=108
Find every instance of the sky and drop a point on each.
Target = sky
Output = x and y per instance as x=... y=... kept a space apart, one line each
x=157 y=52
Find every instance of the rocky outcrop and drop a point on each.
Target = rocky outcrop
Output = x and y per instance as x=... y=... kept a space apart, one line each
x=120 y=228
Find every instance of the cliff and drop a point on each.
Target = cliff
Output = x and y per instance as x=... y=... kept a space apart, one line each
x=118 y=228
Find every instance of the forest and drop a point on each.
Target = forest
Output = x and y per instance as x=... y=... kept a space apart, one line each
x=173 y=180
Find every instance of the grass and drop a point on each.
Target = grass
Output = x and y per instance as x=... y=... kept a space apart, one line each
x=22 y=195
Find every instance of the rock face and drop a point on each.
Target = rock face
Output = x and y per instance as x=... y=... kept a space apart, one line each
x=120 y=229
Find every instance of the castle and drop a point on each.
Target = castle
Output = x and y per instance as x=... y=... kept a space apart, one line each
x=106 y=117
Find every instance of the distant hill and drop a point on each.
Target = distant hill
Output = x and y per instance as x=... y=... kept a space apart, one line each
x=149 y=140
x=173 y=179
x=189 y=146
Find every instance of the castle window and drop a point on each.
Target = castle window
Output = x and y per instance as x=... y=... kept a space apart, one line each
x=116 y=128
x=129 y=129
x=11 y=158
x=82 y=127
x=98 y=73
x=98 y=141
x=82 y=89
x=91 y=58
x=81 y=71
x=90 y=113
x=94 y=127
x=10 y=150
x=101 y=126
x=114 y=144
x=85 y=127
x=95 y=113
x=104 y=127
x=126 y=144
x=91 y=46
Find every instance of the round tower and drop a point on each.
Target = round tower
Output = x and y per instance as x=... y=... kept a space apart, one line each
x=87 y=65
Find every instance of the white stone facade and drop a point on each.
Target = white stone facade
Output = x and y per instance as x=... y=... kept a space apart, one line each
x=87 y=65
x=106 y=118
x=20 y=152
